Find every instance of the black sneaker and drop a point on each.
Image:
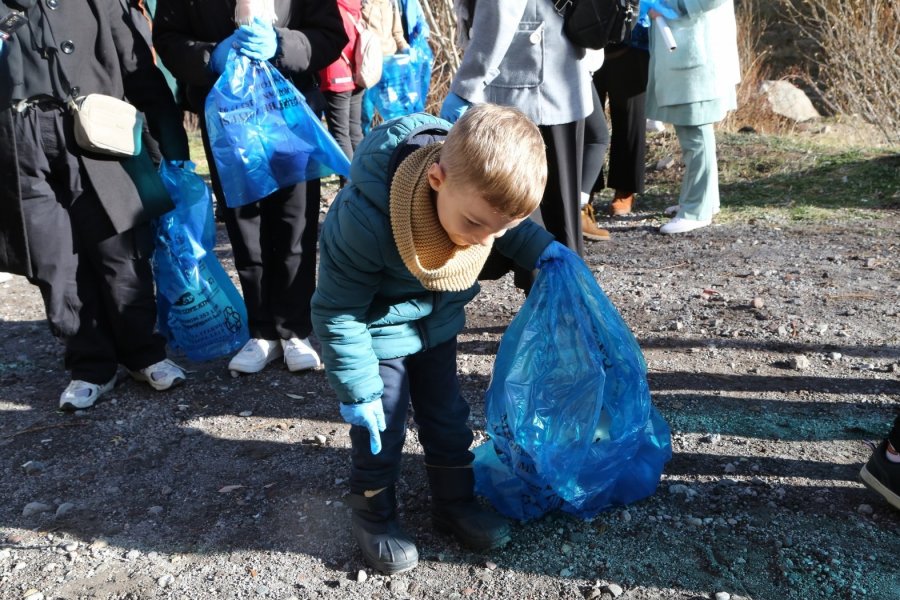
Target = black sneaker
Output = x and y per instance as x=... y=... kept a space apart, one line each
x=882 y=476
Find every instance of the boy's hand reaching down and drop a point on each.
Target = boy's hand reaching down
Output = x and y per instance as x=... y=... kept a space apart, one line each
x=369 y=415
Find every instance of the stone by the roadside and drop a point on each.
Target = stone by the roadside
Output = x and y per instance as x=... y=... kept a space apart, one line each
x=490 y=565
x=133 y=554
x=33 y=595
x=4 y=554
x=320 y=439
x=665 y=163
x=722 y=596
x=361 y=576
x=155 y=510
x=64 y=508
x=397 y=586
x=798 y=362
x=865 y=509
x=33 y=467
x=99 y=544
x=614 y=589
x=245 y=413
x=165 y=580
x=69 y=546
x=757 y=302
x=835 y=356
x=34 y=508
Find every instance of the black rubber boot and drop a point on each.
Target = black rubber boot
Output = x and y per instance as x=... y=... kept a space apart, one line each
x=374 y=524
x=454 y=510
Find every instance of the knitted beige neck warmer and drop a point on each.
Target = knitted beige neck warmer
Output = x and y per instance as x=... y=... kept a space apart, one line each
x=426 y=250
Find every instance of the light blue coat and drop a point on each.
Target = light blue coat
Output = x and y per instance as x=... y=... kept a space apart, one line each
x=367 y=305
x=702 y=71
x=519 y=56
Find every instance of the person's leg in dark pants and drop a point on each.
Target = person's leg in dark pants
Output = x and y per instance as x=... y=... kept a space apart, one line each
x=337 y=116
x=596 y=141
x=623 y=80
x=442 y=416
x=560 y=209
x=374 y=523
x=356 y=132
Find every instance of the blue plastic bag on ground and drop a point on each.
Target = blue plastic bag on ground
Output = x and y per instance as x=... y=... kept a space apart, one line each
x=569 y=415
x=199 y=310
x=404 y=83
x=263 y=135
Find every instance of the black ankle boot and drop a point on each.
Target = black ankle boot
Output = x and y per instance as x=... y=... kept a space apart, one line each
x=454 y=510
x=374 y=524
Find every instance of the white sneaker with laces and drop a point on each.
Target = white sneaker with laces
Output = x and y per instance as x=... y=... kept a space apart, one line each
x=679 y=225
x=254 y=356
x=81 y=394
x=161 y=375
x=299 y=355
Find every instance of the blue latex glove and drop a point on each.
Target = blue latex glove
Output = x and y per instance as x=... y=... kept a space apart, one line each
x=220 y=53
x=369 y=415
x=553 y=251
x=660 y=6
x=453 y=107
x=257 y=40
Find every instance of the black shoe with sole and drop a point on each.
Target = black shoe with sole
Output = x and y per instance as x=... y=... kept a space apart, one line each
x=882 y=476
x=455 y=510
x=385 y=546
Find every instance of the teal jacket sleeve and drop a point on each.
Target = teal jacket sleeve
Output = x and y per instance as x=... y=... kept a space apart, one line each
x=350 y=269
x=524 y=243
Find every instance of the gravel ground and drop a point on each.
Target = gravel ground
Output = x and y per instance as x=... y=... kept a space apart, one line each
x=773 y=353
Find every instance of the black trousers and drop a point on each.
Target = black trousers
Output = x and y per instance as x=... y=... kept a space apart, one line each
x=560 y=209
x=343 y=115
x=274 y=244
x=622 y=80
x=427 y=380
x=894 y=435
x=97 y=286
x=596 y=142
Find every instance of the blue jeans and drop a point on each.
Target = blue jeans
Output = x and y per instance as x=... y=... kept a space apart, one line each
x=428 y=380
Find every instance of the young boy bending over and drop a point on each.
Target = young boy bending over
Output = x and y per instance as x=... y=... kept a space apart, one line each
x=400 y=252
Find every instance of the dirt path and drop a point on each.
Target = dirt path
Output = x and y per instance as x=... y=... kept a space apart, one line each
x=233 y=488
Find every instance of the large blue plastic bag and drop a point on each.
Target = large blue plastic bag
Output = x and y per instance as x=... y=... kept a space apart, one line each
x=263 y=135
x=569 y=417
x=199 y=310
x=404 y=83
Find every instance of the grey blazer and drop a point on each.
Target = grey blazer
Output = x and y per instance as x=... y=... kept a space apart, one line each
x=519 y=56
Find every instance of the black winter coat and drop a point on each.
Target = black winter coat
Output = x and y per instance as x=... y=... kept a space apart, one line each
x=107 y=56
x=185 y=32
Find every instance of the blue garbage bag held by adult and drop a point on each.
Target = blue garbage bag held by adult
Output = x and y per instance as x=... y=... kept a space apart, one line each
x=263 y=134
x=199 y=310
x=568 y=409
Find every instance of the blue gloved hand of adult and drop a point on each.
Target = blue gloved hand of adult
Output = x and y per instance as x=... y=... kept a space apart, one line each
x=660 y=6
x=553 y=251
x=369 y=415
x=453 y=107
x=257 y=40
x=220 y=53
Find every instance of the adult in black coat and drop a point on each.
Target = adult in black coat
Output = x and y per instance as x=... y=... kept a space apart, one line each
x=74 y=222
x=274 y=240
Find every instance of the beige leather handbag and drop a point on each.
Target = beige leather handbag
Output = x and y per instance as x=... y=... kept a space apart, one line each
x=107 y=125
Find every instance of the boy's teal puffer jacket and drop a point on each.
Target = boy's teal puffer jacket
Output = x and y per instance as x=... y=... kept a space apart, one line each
x=367 y=305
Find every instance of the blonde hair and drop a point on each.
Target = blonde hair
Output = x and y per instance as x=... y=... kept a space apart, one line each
x=499 y=152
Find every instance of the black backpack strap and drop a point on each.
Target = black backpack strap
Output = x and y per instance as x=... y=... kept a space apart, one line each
x=418 y=137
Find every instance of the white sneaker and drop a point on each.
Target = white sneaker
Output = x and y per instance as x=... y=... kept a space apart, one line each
x=299 y=355
x=671 y=211
x=81 y=394
x=161 y=375
x=678 y=225
x=254 y=356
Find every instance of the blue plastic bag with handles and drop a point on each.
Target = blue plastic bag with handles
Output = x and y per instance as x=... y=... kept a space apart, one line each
x=569 y=415
x=403 y=87
x=263 y=135
x=199 y=310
